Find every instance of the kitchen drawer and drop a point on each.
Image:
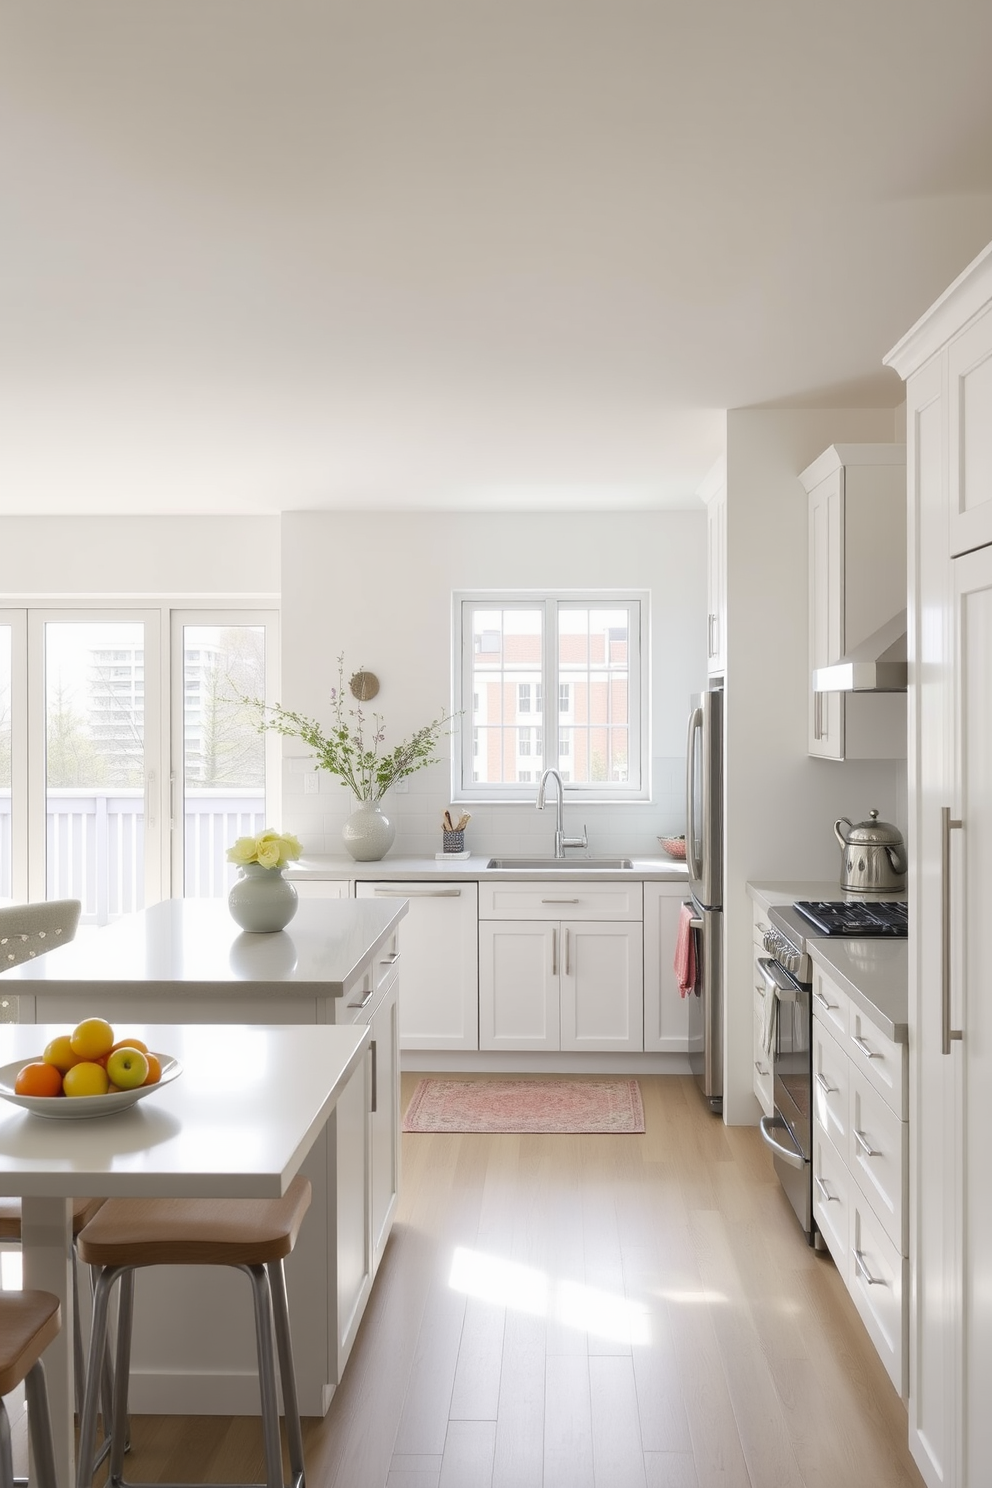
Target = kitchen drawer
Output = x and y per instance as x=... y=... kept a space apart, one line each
x=878 y=1156
x=560 y=901
x=832 y=1201
x=883 y=1061
x=831 y=1087
x=878 y=1280
x=761 y=924
x=831 y=1006
x=762 y=1065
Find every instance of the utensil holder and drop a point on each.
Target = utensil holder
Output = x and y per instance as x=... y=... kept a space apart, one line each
x=453 y=842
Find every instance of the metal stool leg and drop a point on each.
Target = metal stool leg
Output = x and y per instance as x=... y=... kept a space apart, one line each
x=7 y=1479
x=98 y=1346
x=122 y=1376
x=265 y=1349
x=287 y=1372
x=40 y=1426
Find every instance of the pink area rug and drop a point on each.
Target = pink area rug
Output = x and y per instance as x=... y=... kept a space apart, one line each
x=525 y=1105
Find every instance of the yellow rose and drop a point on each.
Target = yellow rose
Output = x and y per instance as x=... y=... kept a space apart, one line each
x=243 y=851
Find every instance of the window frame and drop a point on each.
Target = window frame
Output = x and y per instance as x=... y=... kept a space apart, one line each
x=636 y=788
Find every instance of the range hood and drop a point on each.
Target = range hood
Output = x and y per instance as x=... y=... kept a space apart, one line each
x=878 y=664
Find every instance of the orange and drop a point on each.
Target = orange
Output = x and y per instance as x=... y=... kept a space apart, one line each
x=59 y=1052
x=91 y=1038
x=86 y=1078
x=38 y=1078
x=129 y=1043
x=154 y=1068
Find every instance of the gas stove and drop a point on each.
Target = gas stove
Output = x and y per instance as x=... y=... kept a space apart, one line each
x=815 y=919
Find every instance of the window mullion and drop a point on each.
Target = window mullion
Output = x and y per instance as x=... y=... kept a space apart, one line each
x=550 y=684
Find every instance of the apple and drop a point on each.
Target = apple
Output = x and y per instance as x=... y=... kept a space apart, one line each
x=85 y=1078
x=58 y=1051
x=91 y=1038
x=127 y=1068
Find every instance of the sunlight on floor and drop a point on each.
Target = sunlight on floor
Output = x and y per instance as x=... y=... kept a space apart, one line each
x=697 y=1298
x=525 y=1289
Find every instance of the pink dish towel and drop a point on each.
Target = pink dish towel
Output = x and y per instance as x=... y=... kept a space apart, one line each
x=685 y=952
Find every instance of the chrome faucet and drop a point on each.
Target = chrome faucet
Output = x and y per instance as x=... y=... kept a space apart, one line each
x=561 y=841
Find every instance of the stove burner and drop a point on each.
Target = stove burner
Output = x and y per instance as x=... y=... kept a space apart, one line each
x=846 y=917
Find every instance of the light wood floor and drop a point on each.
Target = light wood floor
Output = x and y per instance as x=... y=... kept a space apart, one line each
x=590 y=1312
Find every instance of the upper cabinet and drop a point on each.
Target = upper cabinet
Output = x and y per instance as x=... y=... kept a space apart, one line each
x=856 y=496
x=714 y=492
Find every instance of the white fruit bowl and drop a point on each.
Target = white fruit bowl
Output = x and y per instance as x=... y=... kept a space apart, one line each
x=77 y=1107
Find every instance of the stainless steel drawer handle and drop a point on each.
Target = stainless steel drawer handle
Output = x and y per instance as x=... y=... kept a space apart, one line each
x=864 y=1144
x=824 y=1085
x=824 y=1190
x=560 y=901
x=364 y=1001
x=859 y=1261
x=823 y=1001
x=416 y=893
x=866 y=1049
x=947 y=825
x=761 y=1070
x=388 y=960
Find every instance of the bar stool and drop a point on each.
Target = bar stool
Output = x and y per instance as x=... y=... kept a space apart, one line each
x=28 y=1323
x=254 y=1236
x=83 y=1211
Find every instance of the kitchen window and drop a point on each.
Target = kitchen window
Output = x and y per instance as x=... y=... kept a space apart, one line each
x=586 y=651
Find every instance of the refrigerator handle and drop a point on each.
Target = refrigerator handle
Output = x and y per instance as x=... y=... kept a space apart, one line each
x=692 y=862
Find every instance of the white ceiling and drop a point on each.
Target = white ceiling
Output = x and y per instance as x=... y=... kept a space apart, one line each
x=461 y=253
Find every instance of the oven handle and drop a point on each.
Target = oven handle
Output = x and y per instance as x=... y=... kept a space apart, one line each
x=791 y=1155
x=776 y=978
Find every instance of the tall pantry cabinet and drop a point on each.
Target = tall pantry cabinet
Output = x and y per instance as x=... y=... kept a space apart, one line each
x=946 y=360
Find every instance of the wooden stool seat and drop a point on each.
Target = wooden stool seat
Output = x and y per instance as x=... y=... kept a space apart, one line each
x=29 y=1321
x=195 y=1232
x=253 y=1235
x=83 y=1211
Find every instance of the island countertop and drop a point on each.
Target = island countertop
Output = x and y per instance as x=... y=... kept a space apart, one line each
x=184 y=946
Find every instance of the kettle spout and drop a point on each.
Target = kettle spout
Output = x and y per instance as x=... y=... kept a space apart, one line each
x=841 y=838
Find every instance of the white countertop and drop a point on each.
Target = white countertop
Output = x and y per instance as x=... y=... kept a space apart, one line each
x=873 y=971
x=186 y=945
x=393 y=869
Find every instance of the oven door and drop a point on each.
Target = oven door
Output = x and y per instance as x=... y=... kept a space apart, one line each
x=789 y=1132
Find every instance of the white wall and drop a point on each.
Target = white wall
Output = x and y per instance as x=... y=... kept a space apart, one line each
x=139 y=555
x=379 y=588
x=781 y=804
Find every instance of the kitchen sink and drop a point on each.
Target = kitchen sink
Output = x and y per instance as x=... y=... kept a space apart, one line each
x=523 y=865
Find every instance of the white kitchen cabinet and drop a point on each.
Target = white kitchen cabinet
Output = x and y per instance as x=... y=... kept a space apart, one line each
x=860 y=1165
x=856 y=498
x=572 y=983
x=323 y=888
x=714 y=492
x=666 y=1011
x=945 y=360
x=439 y=943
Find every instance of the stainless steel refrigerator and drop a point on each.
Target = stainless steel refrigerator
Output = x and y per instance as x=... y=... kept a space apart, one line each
x=704 y=859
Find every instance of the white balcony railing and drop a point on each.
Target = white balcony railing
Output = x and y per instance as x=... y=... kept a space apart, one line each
x=96 y=846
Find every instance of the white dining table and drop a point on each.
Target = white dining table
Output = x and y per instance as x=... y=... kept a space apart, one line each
x=237 y=1123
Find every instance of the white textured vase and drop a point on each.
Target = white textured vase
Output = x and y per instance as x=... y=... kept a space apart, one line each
x=261 y=900
x=368 y=833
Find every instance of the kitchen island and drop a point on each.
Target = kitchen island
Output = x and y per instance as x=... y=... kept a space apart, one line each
x=186 y=962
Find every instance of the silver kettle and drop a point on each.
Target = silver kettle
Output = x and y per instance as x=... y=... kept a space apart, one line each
x=874 y=856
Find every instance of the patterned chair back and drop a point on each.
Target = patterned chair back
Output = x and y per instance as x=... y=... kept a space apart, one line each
x=29 y=930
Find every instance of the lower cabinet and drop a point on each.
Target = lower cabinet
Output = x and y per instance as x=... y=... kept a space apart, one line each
x=440 y=948
x=572 y=983
x=666 y=1011
x=762 y=1079
x=860 y=1165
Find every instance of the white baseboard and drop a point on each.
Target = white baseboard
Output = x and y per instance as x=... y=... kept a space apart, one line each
x=539 y=1062
x=163 y=1393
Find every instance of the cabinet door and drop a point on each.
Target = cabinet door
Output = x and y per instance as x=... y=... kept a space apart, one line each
x=969 y=886
x=601 y=980
x=439 y=948
x=518 y=984
x=826 y=625
x=385 y=1123
x=666 y=1011
x=349 y=1185
x=969 y=369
